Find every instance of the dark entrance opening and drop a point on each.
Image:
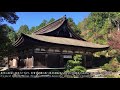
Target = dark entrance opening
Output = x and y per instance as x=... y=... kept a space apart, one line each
x=53 y=60
x=39 y=61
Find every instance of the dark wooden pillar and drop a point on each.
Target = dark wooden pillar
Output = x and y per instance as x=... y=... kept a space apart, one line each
x=85 y=59
x=73 y=54
x=8 y=62
x=46 y=56
x=33 y=56
x=90 y=55
x=31 y=52
x=92 y=60
x=61 y=60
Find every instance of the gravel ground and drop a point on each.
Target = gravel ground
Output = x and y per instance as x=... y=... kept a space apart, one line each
x=99 y=73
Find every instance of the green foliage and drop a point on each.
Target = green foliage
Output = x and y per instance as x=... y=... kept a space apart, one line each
x=7 y=36
x=42 y=24
x=71 y=64
x=83 y=25
x=106 y=27
x=23 y=29
x=112 y=52
x=78 y=69
x=110 y=76
x=118 y=58
x=109 y=67
x=32 y=29
x=77 y=57
x=113 y=65
x=75 y=65
x=74 y=26
x=99 y=23
x=12 y=34
x=101 y=53
x=90 y=34
x=10 y=17
x=101 y=41
x=51 y=20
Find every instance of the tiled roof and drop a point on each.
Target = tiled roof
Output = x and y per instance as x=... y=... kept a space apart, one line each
x=51 y=27
x=66 y=41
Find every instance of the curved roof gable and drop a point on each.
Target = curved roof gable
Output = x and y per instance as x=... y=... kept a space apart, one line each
x=54 y=26
x=51 y=27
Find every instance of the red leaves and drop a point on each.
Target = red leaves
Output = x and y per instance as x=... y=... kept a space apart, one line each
x=114 y=40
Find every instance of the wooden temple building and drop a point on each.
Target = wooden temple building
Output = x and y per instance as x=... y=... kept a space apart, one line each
x=52 y=45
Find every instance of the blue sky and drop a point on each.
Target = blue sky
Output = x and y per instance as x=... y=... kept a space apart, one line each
x=35 y=18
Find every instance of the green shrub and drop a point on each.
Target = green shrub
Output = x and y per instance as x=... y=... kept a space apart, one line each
x=75 y=65
x=71 y=72
x=113 y=65
x=118 y=58
x=78 y=69
x=110 y=76
x=71 y=64
x=109 y=67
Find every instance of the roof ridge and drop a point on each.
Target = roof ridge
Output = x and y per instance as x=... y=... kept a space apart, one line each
x=64 y=17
